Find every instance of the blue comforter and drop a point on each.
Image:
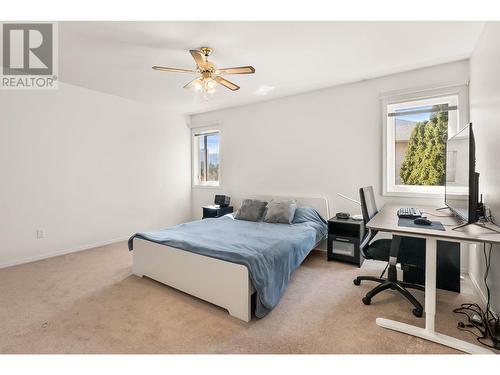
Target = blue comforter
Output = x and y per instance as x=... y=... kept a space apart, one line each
x=271 y=252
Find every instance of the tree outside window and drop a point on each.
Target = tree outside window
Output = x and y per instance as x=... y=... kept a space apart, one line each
x=424 y=162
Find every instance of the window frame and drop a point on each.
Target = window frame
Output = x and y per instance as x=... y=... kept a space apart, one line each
x=195 y=182
x=391 y=102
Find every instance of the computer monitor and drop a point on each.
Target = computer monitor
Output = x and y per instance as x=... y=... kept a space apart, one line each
x=461 y=186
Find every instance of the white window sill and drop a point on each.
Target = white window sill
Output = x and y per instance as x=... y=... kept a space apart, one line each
x=206 y=186
x=413 y=195
x=429 y=192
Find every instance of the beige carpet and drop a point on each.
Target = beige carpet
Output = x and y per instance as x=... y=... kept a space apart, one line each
x=88 y=302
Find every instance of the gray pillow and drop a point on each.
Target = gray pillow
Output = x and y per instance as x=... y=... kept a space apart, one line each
x=251 y=210
x=280 y=211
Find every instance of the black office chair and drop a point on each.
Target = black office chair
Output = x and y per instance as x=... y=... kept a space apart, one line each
x=412 y=254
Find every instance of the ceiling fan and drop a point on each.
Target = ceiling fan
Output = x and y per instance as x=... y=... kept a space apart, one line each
x=209 y=74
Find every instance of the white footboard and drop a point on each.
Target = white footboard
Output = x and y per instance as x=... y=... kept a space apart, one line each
x=222 y=283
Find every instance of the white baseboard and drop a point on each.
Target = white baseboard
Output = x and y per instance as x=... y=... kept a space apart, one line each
x=479 y=291
x=61 y=252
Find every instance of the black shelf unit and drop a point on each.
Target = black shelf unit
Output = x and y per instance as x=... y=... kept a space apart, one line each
x=344 y=238
x=214 y=211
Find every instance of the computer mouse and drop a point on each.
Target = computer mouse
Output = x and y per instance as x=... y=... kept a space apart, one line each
x=422 y=221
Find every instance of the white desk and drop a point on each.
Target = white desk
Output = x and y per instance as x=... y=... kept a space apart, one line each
x=386 y=220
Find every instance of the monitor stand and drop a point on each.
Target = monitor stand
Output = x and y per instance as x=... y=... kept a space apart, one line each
x=477 y=224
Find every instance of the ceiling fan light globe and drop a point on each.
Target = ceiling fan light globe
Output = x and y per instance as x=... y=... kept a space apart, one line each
x=210 y=84
x=211 y=90
x=198 y=86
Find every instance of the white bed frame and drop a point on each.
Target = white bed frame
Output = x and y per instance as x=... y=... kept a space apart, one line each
x=217 y=281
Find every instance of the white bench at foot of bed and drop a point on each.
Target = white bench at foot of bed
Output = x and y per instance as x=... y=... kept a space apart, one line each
x=222 y=283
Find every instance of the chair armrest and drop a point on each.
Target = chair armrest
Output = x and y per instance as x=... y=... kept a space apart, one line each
x=365 y=242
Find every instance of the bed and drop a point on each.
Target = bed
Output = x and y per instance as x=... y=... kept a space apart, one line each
x=242 y=259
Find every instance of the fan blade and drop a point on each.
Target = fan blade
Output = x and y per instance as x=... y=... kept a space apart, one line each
x=199 y=58
x=176 y=70
x=238 y=70
x=228 y=84
x=193 y=83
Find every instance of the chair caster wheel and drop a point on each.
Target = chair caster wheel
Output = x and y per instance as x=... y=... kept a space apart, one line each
x=417 y=312
x=366 y=300
x=356 y=282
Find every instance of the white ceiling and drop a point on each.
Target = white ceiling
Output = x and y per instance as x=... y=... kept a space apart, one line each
x=292 y=57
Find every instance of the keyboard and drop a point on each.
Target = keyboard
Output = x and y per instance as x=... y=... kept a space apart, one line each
x=409 y=213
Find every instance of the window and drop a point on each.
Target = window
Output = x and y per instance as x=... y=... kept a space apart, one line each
x=206 y=158
x=416 y=131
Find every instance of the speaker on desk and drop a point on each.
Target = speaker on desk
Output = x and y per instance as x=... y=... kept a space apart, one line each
x=222 y=200
x=448 y=268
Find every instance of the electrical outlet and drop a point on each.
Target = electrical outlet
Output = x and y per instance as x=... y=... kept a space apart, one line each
x=40 y=233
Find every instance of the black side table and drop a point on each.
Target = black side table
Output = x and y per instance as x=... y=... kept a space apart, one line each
x=344 y=238
x=215 y=211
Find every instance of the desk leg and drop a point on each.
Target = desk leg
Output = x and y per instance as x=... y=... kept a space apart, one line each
x=430 y=283
x=429 y=332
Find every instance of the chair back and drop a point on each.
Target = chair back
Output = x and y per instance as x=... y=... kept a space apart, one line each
x=369 y=210
x=368 y=204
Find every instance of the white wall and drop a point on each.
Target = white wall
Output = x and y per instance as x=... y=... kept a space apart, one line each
x=485 y=116
x=89 y=168
x=317 y=143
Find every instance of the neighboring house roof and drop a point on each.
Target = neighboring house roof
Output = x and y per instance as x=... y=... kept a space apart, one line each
x=404 y=129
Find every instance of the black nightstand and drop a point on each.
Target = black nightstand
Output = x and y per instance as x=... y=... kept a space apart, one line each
x=215 y=211
x=344 y=238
